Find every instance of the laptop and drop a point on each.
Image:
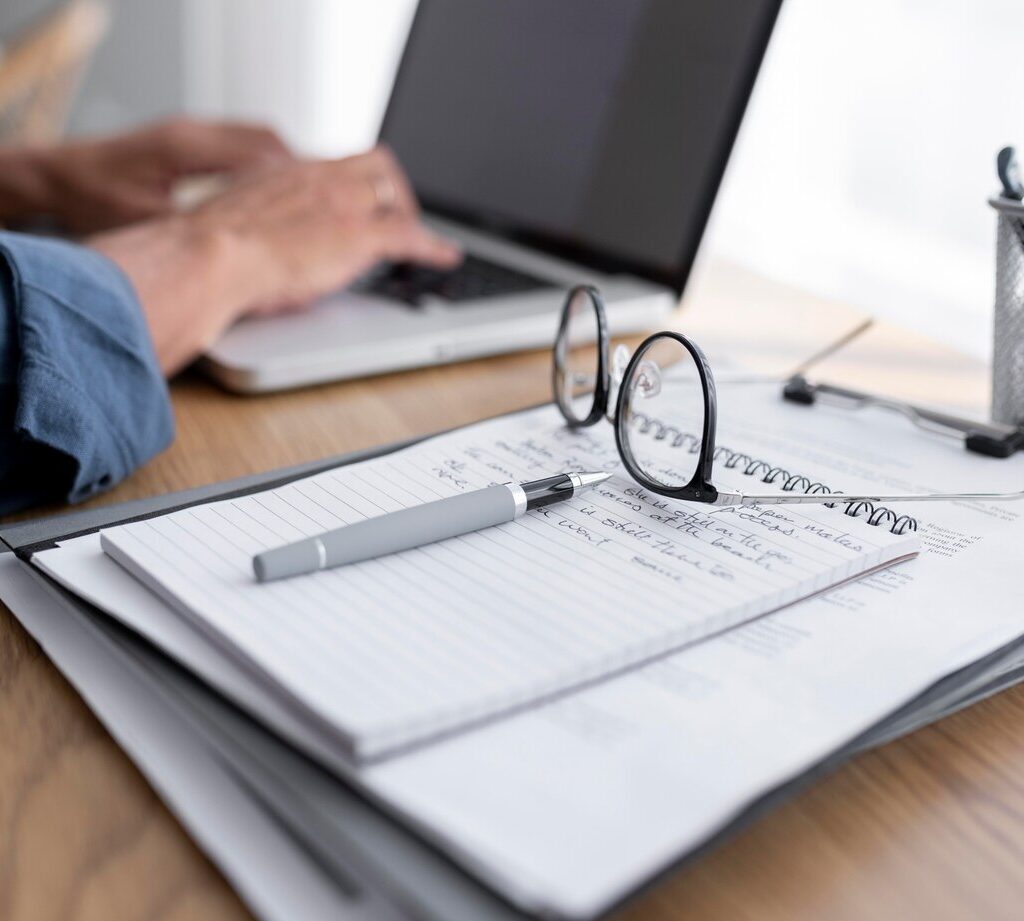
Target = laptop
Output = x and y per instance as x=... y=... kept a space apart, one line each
x=581 y=141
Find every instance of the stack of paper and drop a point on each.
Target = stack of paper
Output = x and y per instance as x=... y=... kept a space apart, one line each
x=578 y=796
x=567 y=805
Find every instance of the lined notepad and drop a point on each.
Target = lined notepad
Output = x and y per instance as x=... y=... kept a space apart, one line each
x=396 y=650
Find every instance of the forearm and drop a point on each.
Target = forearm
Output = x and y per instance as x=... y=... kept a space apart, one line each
x=190 y=279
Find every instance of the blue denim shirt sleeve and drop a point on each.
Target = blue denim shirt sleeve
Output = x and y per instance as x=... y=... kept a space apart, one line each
x=82 y=399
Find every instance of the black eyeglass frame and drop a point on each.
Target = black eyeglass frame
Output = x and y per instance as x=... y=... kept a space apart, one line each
x=603 y=383
x=700 y=487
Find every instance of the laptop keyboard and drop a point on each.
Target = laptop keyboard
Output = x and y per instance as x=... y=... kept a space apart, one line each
x=475 y=278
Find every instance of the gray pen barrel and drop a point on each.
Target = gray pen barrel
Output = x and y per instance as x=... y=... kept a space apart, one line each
x=389 y=533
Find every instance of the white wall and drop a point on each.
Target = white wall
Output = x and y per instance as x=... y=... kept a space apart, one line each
x=868 y=152
x=319 y=70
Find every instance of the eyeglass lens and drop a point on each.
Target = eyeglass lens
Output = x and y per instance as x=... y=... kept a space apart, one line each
x=577 y=357
x=662 y=413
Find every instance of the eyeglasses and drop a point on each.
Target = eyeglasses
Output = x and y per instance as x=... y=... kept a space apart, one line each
x=666 y=411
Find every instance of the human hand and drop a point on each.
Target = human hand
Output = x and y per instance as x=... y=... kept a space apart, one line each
x=98 y=184
x=275 y=240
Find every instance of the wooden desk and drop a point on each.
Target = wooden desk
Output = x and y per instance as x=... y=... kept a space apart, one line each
x=930 y=827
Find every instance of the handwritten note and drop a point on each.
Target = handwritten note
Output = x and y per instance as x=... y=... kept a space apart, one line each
x=398 y=649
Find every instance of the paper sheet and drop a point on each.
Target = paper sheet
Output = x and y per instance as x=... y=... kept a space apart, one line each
x=402 y=648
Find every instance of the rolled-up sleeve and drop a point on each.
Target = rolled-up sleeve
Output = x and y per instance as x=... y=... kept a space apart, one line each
x=82 y=399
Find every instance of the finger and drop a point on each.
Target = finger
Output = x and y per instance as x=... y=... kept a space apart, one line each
x=383 y=160
x=397 y=238
x=194 y=146
x=356 y=187
x=281 y=307
x=373 y=181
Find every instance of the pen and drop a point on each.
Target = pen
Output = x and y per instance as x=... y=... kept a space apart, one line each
x=419 y=525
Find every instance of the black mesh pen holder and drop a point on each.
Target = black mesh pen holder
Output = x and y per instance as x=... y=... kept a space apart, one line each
x=1008 y=319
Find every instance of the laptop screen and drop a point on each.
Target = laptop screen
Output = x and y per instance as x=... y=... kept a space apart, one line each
x=594 y=129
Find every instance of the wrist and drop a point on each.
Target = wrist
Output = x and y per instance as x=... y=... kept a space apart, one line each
x=233 y=271
x=210 y=259
x=191 y=282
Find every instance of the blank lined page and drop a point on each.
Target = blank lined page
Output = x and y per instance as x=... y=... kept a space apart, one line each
x=398 y=649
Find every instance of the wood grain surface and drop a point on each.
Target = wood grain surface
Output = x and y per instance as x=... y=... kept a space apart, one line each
x=931 y=826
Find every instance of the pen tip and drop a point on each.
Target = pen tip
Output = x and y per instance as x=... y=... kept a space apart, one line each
x=593 y=478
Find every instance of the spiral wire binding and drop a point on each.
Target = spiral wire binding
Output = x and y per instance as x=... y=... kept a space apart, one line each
x=876 y=515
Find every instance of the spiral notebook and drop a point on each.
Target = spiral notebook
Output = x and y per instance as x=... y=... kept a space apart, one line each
x=398 y=650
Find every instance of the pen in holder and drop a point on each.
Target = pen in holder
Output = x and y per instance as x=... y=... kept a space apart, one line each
x=1008 y=320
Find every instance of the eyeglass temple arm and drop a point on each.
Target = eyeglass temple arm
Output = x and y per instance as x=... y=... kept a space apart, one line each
x=799 y=389
x=819 y=498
